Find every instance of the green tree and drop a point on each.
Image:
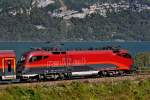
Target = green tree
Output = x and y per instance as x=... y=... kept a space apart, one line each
x=142 y=60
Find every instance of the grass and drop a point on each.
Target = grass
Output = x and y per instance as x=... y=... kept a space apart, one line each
x=123 y=90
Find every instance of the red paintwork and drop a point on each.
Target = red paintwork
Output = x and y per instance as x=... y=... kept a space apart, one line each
x=78 y=58
x=6 y=55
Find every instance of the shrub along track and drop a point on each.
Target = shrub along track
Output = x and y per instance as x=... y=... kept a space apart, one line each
x=135 y=78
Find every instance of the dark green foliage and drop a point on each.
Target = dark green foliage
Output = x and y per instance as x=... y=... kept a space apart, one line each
x=142 y=60
x=126 y=25
x=123 y=90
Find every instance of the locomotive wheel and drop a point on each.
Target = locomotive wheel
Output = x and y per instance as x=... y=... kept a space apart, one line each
x=69 y=75
x=61 y=76
x=100 y=74
x=40 y=77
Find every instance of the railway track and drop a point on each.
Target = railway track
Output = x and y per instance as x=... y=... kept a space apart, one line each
x=82 y=80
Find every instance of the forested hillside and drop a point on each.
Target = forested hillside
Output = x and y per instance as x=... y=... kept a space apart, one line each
x=34 y=20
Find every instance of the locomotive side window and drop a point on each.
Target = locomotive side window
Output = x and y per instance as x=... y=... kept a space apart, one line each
x=37 y=58
x=55 y=52
x=63 y=52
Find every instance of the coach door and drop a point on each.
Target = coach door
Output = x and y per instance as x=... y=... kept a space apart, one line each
x=9 y=68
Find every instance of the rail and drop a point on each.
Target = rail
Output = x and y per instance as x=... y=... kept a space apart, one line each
x=131 y=77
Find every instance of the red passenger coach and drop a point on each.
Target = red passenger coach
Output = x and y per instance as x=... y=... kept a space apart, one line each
x=54 y=64
x=7 y=64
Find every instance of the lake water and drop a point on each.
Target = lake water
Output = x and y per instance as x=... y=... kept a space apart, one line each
x=20 y=47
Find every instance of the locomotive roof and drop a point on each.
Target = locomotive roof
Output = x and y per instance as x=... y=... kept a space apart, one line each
x=48 y=50
x=36 y=52
x=7 y=53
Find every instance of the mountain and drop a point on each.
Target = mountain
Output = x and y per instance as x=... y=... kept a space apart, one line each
x=73 y=20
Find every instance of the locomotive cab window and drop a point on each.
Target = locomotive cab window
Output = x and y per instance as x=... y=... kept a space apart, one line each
x=22 y=60
x=35 y=58
x=126 y=55
x=63 y=52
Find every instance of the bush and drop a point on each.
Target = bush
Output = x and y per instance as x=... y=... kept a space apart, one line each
x=123 y=90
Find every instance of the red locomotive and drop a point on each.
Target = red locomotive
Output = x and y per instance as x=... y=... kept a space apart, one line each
x=43 y=64
x=53 y=64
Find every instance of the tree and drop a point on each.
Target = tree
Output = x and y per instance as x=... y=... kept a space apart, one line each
x=142 y=60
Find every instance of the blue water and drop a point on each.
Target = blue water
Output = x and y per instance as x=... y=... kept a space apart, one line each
x=20 y=47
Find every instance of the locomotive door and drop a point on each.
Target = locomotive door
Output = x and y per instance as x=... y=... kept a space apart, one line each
x=9 y=68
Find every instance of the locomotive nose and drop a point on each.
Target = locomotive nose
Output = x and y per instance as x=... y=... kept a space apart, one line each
x=131 y=63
